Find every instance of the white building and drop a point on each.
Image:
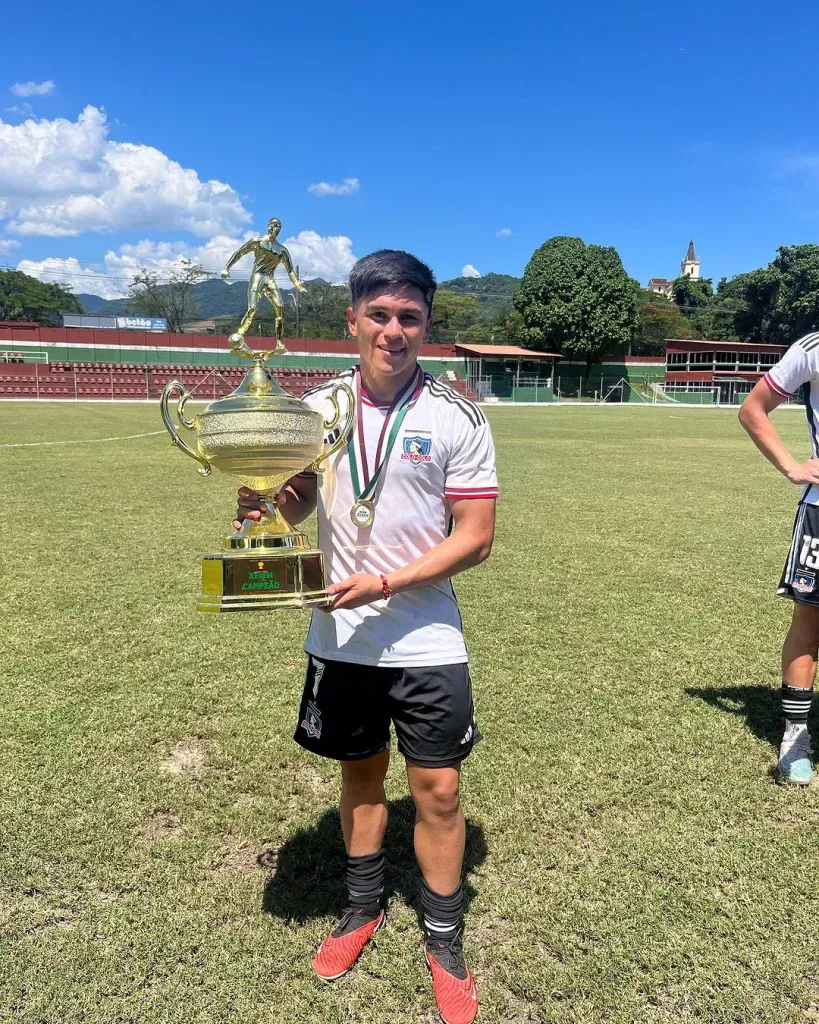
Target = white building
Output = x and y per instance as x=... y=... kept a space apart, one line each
x=690 y=266
x=660 y=286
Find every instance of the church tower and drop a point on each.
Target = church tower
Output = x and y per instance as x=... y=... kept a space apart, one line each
x=690 y=266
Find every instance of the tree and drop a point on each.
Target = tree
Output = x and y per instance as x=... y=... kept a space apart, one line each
x=172 y=296
x=790 y=289
x=477 y=334
x=778 y=303
x=510 y=329
x=658 y=320
x=452 y=314
x=25 y=298
x=493 y=292
x=577 y=299
x=691 y=294
x=322 y=310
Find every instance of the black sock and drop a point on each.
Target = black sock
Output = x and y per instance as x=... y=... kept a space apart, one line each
x=443 y=915
x=796 y=703
x=365 y=882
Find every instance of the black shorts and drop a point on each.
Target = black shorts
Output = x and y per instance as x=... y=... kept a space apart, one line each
x=800 y=578
x=346 y=711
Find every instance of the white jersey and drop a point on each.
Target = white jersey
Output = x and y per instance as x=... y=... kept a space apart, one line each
x=799 y=368
x=443 y=452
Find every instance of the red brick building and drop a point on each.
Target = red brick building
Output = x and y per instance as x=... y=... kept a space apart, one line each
x=732 y=366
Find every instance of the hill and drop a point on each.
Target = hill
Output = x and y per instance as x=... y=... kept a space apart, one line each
x=95 y=305
x=214 y=298
x=493 y=291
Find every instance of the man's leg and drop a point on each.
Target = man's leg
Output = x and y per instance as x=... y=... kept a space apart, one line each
x=343 y=715
x=363 y=810
x=440 y=836
x=799 y=656
x=254 y=297
x=440 y=831
x=274 y=296
x=363 y=804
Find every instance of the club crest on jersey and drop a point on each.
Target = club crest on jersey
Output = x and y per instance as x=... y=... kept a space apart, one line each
x=417 y=449
x=804 y=582
x=312 y=721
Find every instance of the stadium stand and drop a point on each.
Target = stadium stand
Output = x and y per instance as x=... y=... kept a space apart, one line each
x=90 y=364
x=132 y=382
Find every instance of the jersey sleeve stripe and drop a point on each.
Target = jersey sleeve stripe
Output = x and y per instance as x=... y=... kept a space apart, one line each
x=775 y=387
x=488 y=492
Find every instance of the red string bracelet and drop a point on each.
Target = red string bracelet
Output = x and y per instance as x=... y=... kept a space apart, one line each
x=385 y=587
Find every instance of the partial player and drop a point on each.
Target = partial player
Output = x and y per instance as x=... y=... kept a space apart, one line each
x=798 y=368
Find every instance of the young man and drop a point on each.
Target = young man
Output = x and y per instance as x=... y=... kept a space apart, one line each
x=407 y=505
x=799 y=367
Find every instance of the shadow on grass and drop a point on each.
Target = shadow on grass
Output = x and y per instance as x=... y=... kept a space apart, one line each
x=760 y=706
x=310 y=867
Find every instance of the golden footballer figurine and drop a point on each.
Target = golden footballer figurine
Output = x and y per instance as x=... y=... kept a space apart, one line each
x=268 y=254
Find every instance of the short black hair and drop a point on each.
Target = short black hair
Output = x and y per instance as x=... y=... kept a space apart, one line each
x=391 y=268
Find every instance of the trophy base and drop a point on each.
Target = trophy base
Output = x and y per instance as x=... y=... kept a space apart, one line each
x=262 y=581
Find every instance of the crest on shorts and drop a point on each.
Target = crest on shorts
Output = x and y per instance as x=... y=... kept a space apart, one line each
x=804 y=582
x=312 y=721
x=417 y=448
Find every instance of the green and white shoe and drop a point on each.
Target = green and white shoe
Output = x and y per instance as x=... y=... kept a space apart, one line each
x=795 y=764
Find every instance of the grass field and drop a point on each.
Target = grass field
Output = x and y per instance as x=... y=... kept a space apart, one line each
x=167 y=854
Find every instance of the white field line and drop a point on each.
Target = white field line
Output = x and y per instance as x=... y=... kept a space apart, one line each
x=90 y=440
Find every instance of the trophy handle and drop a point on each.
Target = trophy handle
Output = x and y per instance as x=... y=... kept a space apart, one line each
x=173 y=430
x=343 y=437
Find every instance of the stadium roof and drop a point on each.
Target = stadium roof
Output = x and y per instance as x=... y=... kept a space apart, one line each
x=506 y=352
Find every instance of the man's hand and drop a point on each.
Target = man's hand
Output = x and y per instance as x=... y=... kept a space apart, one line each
x=354 y=592
x=251 y=506
x=804 y=472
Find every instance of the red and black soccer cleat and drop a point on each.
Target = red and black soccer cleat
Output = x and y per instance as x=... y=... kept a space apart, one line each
x=452 y=983
x=344 y=945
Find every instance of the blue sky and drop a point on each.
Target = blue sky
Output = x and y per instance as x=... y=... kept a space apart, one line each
x=628 y=124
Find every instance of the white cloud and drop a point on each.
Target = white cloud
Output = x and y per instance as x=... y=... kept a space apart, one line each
x=467 y=270
x=330 y=257
x=504 y=233
x=33 y=88
x=61 y=178
x=73 y=275
x=348 y=187
x=8 y=246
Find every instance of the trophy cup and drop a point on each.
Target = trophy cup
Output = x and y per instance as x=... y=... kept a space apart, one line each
x=261 y=436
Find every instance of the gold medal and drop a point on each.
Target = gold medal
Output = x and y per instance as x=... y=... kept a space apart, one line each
x=363 y=513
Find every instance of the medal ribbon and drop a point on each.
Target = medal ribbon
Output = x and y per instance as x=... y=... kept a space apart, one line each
x=362 y=494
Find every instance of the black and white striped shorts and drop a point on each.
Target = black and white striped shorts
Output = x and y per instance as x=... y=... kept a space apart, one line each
x=800 y=578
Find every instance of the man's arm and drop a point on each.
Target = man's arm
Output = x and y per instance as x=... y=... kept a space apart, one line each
x=468 y=545
x=243 y=250
x=754 y=415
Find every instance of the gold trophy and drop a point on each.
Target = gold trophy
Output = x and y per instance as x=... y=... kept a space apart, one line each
x=261 y=436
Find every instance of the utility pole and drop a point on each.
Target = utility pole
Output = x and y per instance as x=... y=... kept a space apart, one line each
x=294 y=295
